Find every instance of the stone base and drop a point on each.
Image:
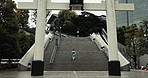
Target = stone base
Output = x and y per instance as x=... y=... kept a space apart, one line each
x=114 y=68
x=22 y=67
x=37 y=68
x=126 y=68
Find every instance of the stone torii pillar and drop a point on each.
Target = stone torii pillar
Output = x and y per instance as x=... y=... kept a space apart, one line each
x=38 y=63
x=114 y=63
x=110 y=6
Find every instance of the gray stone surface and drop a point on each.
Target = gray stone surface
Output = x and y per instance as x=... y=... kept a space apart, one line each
x=48 y=53
x=22 y=67
x=88 y=57
x=74 y=74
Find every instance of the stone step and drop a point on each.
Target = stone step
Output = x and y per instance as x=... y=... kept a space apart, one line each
x=48 y=53
x=88 y=57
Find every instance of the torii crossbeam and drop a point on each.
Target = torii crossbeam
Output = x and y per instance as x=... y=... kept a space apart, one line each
x=110 y=6
x=87 y=6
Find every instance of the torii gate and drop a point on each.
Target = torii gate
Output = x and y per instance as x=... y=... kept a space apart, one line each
x=110 y=6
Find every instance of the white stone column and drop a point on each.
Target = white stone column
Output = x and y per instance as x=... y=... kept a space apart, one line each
x=111 y=30
x=40 y=30
x=114 y=63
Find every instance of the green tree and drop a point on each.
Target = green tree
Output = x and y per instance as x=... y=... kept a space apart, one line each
x=144 y=29
x=64 y=21
x=66 y=14
x=13 y=41
x=86 y=23
x=9 y=24
x=25 y=42
x=120 y=34
x=144 y=26
x=23 y=18
x=134 y=42
x=34 y=15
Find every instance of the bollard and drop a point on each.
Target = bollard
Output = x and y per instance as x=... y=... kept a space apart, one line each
x=147 y=67
x=137 y=67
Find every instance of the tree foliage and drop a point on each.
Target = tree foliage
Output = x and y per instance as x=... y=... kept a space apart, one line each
x=9 y=23
x=25 y=42
x=120 y=34
x=134 y=40
x=23 y=18
x=86 y=23
x=34 y=15
x=64 y=21
x=12 y=40
x=144 y=29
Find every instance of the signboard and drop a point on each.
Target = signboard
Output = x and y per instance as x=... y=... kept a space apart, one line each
x=76 y=5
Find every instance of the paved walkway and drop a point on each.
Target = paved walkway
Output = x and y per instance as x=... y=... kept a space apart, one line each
x=74 y=74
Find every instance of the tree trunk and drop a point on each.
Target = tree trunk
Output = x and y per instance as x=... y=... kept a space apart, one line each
x=135 y=61
x=135 y=57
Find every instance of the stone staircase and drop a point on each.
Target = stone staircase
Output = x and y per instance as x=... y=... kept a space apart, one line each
x=48 y=53
x=88 y=57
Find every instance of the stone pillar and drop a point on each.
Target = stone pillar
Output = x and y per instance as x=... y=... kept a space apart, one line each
x=114 y=63
x=38 y=63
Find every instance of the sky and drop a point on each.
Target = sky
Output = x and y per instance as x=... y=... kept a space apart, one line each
x=61 y=1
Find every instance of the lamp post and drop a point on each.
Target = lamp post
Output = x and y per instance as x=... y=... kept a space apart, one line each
x=146 y=31
x=60 y=32
x=127 y=15
x=54 y=31
x=77 y=33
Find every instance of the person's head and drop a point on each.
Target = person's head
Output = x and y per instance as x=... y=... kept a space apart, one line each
x=73 y=49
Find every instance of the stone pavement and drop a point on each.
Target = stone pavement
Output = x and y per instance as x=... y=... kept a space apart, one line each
x=74 y=74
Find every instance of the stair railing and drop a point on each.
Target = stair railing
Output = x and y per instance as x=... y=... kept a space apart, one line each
x=28 y=57
x=102 y=45
x=53 y=54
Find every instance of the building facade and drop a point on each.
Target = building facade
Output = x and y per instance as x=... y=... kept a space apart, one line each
x=126 y=18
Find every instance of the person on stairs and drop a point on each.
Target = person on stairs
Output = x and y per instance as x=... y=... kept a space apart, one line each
x=73 y=53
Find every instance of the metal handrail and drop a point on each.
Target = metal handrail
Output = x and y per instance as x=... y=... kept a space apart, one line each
x=53 y=54
x=28 y=57
x=101 y=44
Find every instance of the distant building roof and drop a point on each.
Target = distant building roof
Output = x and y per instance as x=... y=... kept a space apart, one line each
x=52 y=18
x=30 y=30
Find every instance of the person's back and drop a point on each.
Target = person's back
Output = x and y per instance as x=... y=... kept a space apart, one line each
x=73 y=54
